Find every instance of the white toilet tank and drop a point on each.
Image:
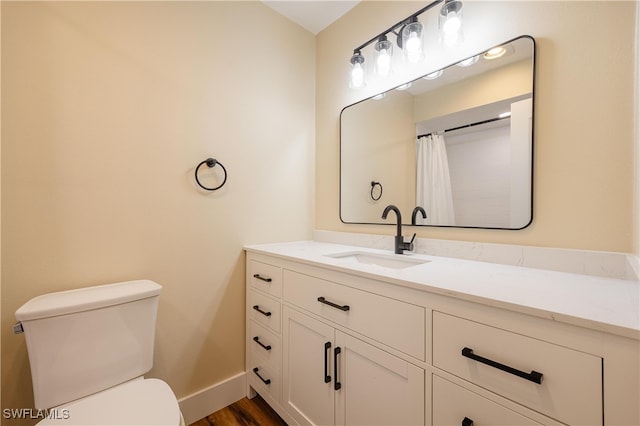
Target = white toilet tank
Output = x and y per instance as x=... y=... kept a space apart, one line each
x=86 y=340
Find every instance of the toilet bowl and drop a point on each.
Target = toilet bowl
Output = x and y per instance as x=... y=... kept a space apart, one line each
x=138 y=402
x=89 y=349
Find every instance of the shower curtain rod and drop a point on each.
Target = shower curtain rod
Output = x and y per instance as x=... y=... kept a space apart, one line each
x=467 y=125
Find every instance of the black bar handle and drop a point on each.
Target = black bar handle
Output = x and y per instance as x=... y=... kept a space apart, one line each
x=265 y=381
x=257 y=308
x=534 y=376
x=467 y=422
x=266 y=347
x=333 y=305
x=327 y=377
x=336 y=384
x=260 y=277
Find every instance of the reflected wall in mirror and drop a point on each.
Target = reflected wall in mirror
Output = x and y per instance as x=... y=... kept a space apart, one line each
x=457 y=142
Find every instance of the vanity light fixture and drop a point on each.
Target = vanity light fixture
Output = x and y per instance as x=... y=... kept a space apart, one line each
x=404 y=86
x=410 y=34
x=450 y=23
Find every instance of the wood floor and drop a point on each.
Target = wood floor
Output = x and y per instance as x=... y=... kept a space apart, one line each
x=246 y=412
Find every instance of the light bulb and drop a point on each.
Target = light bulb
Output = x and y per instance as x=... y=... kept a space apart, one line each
x=384 y=63
x=382 y=56
x=412 y=44
x=357 y=76
x=356 y=72
x=452 y=24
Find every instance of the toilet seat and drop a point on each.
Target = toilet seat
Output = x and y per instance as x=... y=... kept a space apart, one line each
x=137 y=402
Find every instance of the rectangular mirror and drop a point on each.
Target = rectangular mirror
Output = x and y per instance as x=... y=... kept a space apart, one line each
x=457 y=142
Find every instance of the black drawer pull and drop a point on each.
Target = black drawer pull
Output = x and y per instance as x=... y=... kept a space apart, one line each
x=534 y=376
x=265 y=381
x=467 y=422
x=336 y=384
x=327 y=377
x=257 y=308
x=333 y=305
x=265 y=279
x=266 y=347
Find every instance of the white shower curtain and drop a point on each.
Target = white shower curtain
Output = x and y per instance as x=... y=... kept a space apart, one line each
x=433 y=186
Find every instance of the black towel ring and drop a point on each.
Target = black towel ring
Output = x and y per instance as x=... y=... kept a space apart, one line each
x=210 y=162
x=373 y=186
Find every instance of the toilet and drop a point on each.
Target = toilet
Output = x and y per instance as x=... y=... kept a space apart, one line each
x=88 y=351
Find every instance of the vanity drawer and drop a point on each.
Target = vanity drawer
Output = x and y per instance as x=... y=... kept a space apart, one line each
x=264 y=346
x=264 y=310
x=398 y=324
x=570 y=388
x=265 y=277
x=452 y=404
x=264 y=380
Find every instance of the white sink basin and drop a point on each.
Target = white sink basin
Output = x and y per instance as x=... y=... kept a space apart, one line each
x=393 y=261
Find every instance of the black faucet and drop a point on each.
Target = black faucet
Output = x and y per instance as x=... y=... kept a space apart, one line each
x=415 y=213
x=399 y=245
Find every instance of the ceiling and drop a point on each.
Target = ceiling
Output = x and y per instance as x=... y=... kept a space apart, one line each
x=312 y=15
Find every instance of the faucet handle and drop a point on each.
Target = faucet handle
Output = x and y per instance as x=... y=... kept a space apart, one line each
x=409 y=245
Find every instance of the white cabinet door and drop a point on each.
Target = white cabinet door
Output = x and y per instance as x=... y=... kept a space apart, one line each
x=368 y=387
x=308 y=346
x=377 y=388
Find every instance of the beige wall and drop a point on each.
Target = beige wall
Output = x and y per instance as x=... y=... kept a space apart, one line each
x=107 y=107
x=493 y=86
x=584 y=117
x=383 y=150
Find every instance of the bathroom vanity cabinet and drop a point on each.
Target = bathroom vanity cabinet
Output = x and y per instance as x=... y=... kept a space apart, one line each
x=328 y=344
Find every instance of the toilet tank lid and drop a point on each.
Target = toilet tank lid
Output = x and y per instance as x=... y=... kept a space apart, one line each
x=88 y=298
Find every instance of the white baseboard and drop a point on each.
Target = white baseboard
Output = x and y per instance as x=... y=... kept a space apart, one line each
x=206 y=401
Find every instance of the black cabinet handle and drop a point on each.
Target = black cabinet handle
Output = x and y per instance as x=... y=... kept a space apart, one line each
x=336 y=384
x=534 y=376
x=467 y=422
x=257 y=308
x=333 y=305
x=265 y=381
x=266 y=347
x=327 y=377
x=265 y=279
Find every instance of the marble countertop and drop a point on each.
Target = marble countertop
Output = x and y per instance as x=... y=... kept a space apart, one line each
x=605 y=304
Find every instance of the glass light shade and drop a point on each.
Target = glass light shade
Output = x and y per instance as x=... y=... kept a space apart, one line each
x=450 y=23
x=412 y=42
x=356 y=72
x=383 y=52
